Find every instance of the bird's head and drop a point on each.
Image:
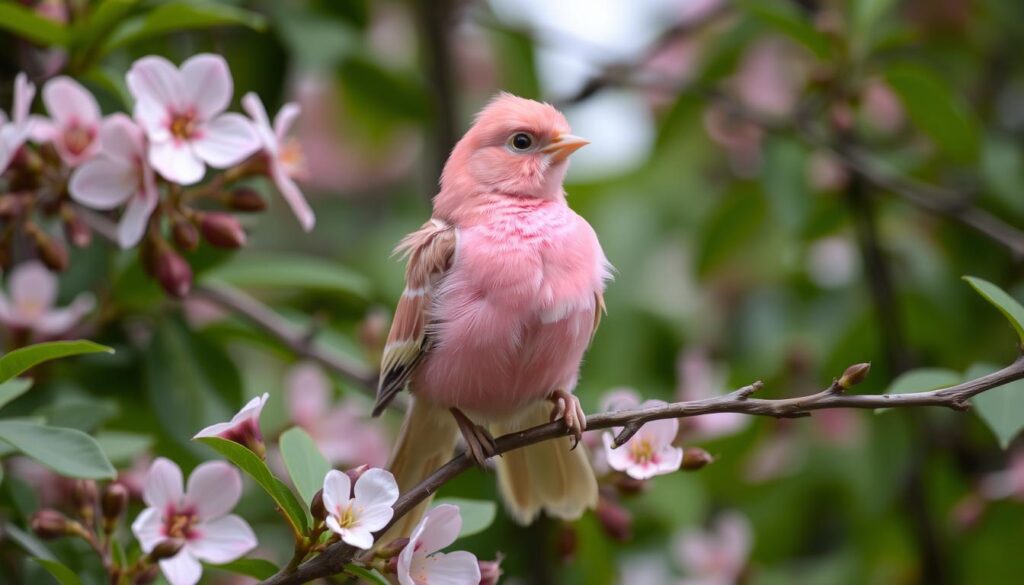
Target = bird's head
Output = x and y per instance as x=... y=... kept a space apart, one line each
x=516 y=147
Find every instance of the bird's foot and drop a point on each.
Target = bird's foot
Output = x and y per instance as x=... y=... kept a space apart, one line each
x=567 y=407
x=479 y=442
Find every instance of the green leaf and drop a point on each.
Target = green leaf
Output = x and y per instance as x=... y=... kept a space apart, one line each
x=61 y=573
x=177 y=16
x=306 y=465
x=27 y=541
x=256 y=568
x=122 y=447
x=272 y=271
x=1007 y=305
x=25 y=23
x=367 y=574
x=785 y=181
x=936 y=110
x=67 y=451
x=12 y=389
x=865 y=15
x=735 y=221
x=786 y=18
x=80 y=412
x=1001 y=408
x=19 y=360
x=477 y=515
x=923 y=380
x=1002 y=170
x=383 y=92
x=257 y=469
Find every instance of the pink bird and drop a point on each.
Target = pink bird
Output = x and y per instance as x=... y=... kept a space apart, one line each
x=504 y=290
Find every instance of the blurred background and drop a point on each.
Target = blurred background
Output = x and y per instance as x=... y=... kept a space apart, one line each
x=785 y=188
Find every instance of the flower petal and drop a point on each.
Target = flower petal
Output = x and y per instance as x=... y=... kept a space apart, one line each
x=619 y=458
x=40 y=129
x=457 y=568
x=154 y=118
x=24 y=91
x=176 y=162
x=68 y=102
x=148 y=528
x=135 y=219
x=293 y=196
x=226 y=140
x=659 y=432
x=164 y=484
x=104 y=183
x=214 y=488
x=157 y=81
x=285 y=118
x=357 y=536
x=670 y=459
x=438 y=529
x=207 y=84
x=375 y=517
x=308 y=391
x=337 y=490
x=32 y=282
x=57 y=321
x=222 y=540
x=253 y=106
x=182 y=569
x=376 y=488
x=122 y=139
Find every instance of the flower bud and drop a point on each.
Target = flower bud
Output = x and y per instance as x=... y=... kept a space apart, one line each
x=50 y=251
x=148 y=575
x=47 y=524
x=490 y=571
x=316 y=506
x=695 y=458
x=173 y=272
x=115 y=500
x=166 y=549
x=10 y=206
x=185 y=235
x=566 y=543
x=84 y=497
x=616 y=520
x=356 y=472
x=222 y=230
x=245 y=199
x=629 y=485
x=76 y=230
x=854 y=375
x=393 y=548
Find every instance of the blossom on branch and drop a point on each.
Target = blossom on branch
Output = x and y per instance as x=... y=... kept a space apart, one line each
x=420 y=563
x=243 y=428
x=197 y=515
x=284 y=157
x=355 y=513
x=650 y=451
x=29 y=303
x=716 y=556
x=119 y=175
x=74 y=123
x=182 y=112
x=15 y=131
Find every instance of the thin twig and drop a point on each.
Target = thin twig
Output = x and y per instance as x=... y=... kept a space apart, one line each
x=334 y=558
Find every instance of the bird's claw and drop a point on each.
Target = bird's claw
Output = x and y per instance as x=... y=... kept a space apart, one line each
x=567 y=407
x=479 y=442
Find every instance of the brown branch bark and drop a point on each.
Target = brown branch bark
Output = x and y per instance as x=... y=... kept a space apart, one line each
x=334 y=559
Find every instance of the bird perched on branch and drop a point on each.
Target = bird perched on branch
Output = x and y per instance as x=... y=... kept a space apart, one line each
x=504 y=290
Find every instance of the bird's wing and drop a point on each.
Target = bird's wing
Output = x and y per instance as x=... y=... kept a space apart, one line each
x=599 y=311
x=429 y=250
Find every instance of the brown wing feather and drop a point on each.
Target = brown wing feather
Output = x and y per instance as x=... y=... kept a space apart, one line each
x=429 y=251
x=599 y=311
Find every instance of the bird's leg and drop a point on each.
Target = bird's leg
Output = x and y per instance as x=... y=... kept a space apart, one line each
x=479 y=442
x=567 y=407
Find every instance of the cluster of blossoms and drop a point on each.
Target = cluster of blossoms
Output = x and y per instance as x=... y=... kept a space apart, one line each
x=149 y=166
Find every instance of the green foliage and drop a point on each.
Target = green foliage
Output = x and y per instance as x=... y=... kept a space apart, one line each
x=936 y=110
x=283 y=272
x=25 y=23
x=786 y=18
x=67 y=451
x=306 y=465
x=1001 y=408
x=256 y=568
x=61 y=573
x=923 y=380
x=367 y=574
x=255 y=468
x=1007 y=305
x=11 y=389
x=169 y=17
x=20 y=360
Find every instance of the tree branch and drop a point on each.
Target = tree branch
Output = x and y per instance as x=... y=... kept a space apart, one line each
x=333 y=559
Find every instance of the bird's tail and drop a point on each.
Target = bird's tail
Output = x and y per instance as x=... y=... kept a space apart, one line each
x=548 y=476
x=426 y=442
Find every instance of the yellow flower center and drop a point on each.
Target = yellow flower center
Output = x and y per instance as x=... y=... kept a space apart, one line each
x=183 y=126
x=346 y=516
x=179 y=525
x=77 y=139
x=293 y=159
x=642 y=451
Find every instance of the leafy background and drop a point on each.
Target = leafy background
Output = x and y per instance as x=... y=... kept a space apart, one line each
x=756 y=266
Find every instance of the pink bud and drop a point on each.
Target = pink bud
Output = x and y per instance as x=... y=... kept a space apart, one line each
x=245 y=199
x=115 y=500
x=49 y=524
x=185 y=235
x=173 y=272
x=50 y=251
x=222 y=230
x=566 y=544
x=167 y=549
x=490 y=571
x=356 y=472
x=616 y=520
x=316 y=506
x=695 y=458
x=854 y=375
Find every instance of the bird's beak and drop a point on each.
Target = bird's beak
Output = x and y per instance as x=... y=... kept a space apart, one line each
x=564 y=145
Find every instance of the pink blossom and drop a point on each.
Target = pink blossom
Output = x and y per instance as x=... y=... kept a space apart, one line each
x=243 y=428
x=30 y=302
x=650 y=451
x=74 y=123
x=770 y=77
x=881 y=108
x=181 y=111
x=198 y=515
x=740 y=138
x=832 y=262
x=613 y=400
x=342 y=432
x=717 y=556
x=778 y=455
x=356 y=512
x=1008 y=483
x=285 y=160
x=119 y=175
x=698 y=379
x=420 y=563
x=825 y=172
x=15 y=131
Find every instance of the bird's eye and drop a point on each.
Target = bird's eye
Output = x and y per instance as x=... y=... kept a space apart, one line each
x=520 y=141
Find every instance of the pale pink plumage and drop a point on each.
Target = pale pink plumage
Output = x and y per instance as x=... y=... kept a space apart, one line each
x=504 y=289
